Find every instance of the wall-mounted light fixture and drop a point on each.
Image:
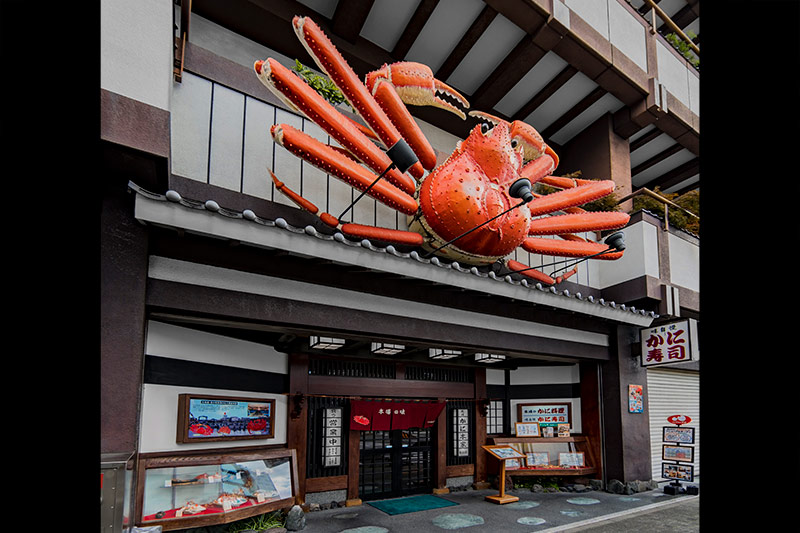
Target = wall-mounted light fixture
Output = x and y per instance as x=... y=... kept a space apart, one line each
x=386 y=348
x=325 y=343
x=489 y=358
x=441 y=353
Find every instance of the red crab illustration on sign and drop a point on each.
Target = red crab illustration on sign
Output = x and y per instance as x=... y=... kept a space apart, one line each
x=256 y=425
x=476 y=207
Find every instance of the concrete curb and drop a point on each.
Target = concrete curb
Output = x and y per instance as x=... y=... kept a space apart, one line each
x=620 y=514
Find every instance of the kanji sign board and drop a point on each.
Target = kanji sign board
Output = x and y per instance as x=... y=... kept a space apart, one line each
x=675 y=342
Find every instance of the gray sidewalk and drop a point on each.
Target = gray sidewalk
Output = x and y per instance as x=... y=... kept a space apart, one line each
x=596 y=511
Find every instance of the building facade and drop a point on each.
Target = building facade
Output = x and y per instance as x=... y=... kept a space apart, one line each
x=214 y=285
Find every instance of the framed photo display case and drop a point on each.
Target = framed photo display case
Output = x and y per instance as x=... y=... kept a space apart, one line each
x=213 y=487
x=203 y=418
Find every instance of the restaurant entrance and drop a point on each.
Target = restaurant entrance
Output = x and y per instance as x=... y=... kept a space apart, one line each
x=395 y=463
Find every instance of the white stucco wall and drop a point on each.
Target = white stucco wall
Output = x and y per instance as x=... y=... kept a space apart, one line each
x=640 y=257
x=159 y=412
x=684 y=263
x=136 y=44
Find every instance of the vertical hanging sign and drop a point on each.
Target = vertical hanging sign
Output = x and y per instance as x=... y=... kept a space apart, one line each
x=676 y=342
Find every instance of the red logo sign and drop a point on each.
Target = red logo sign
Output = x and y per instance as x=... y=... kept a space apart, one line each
x=363 y=420
x=679 y=419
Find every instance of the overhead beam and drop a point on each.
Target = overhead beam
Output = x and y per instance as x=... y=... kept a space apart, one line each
x=466 y=43
x=676 y=175
x=672 y=150
x=413 y=28
x=644 y=139
x=576 y=110
x=555 y=84
x=508 y=73
x=349 y=18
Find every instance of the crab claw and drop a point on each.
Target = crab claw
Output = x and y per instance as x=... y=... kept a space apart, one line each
x=415 y=84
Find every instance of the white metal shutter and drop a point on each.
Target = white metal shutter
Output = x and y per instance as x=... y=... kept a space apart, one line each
x=672 y=392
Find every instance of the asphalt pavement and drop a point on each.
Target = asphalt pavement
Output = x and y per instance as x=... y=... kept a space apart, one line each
x=596 y=511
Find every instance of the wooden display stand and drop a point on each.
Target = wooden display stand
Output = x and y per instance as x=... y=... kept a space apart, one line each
x=580 y=443
x=502 y=453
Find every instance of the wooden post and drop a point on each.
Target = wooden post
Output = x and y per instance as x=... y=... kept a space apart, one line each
x=297 y=431
x=502 y=497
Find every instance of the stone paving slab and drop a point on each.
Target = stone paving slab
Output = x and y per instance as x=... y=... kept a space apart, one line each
x=532 y=513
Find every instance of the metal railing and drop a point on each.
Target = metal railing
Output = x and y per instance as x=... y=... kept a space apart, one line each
x=667 y=204
x=655 y=10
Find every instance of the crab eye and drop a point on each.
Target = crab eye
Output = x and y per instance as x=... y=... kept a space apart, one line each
x=485 y=128
x=514 y=143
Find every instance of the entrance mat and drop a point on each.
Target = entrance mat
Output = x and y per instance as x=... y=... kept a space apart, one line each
x=411 y=504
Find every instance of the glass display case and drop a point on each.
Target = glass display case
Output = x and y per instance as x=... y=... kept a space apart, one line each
x=197 y=490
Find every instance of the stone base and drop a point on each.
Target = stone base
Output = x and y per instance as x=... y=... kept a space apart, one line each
x=501 y=499
x=352 y=503
x=445 y=490
x=481 y=485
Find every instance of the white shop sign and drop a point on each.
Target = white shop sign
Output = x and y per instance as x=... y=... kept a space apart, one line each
x=675 y=342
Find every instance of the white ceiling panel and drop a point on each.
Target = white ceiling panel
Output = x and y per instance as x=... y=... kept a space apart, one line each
x=572 y=92
x=494 y=45
x=663 y=167
x=641 y=132
x=651 y=149
x=378 y=31
x=606 y=104
x=685 y=183
x=534 y=81
x=444 y=29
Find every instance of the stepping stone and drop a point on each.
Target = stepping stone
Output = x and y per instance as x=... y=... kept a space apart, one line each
x=583 y=501
x=572 y=513
x=520 y=505
x=531 y=520
x=629 y=499
x=457 y=520
x=366 y=529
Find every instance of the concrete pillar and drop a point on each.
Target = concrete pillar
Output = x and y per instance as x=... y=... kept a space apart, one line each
x=626 y=434
x=123 y=278
x=599 y=153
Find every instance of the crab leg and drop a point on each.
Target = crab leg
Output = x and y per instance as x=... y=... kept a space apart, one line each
x=339 y=165
x=525 y=270
x=299 y=95
x=331 y=62
x=571 y=197
x=576 y=223
x=570 y=248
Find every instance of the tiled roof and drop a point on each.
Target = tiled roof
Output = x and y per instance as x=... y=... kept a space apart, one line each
x=280 y=223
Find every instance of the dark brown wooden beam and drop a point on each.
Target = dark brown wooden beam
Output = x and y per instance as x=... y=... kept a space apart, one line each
x=555 y=84
x=644 y=139
x=672 y=150
x=513 y=68
x=466 y=43
x=576 y=110
x=413 y=28
x=349 y=18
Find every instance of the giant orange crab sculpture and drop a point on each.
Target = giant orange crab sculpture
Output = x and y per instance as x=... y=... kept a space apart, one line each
x=476 y=207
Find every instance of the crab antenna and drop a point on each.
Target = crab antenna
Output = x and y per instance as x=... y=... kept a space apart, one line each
x=519 y=189
x=402 y=158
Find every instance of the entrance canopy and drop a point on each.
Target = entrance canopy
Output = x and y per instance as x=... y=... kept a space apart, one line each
x=384 y=415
